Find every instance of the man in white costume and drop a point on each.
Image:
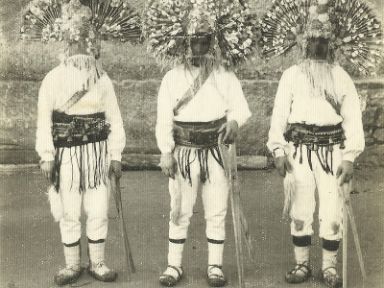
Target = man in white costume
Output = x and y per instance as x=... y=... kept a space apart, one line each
x=80 y=134
x=199 y=100
x=316 y=129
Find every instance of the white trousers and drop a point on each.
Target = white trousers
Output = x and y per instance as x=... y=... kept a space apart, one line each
x=214 y=195
x=303 y=198
x=95 y=200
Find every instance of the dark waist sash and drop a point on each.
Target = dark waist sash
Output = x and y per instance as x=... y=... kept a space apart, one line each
x=201 y=135
x=315 y=136
x=76 y=130
x=197 y=134
x=317 y=139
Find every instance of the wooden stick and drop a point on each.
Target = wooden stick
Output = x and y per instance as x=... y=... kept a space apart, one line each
x=345 y=244
x=347 y=190
x=348 y=215
x=230 y=167
x=115 y=187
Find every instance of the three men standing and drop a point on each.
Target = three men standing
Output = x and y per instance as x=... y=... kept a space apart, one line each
x=316 y=130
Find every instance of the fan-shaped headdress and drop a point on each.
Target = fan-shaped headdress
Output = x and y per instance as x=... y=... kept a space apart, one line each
x=82 y=24
x=350 y=25
x=170 y=24
x=75 y=21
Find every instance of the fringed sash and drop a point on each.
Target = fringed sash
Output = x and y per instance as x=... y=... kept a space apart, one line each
x=194 y=142
x=317 y=139
x=84 y=138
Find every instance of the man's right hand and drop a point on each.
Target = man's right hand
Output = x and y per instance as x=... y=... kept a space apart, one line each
x=168 y=165
x=282 y=165
x=47 y=169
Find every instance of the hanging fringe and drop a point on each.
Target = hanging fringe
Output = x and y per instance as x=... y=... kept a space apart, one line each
x=289 y=188
x=184 y=161
x=91 y=165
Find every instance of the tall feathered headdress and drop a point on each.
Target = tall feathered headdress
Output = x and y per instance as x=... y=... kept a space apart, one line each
x=80 y=20
x=170 y=24
x=350 y=25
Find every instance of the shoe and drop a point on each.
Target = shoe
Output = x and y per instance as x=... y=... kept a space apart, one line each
x=299 y=274
x=68 y=275
x=215 y=276
x=331 y=278
x=171 y=276
x=101 y=272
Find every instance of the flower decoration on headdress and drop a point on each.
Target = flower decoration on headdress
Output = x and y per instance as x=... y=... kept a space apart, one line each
x=74 y=21
x=170 y=24
x=350 y=25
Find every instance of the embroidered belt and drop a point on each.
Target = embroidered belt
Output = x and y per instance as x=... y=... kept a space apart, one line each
x=76 y=130
x=317 y=139
x=315 y=136
x=197 y=134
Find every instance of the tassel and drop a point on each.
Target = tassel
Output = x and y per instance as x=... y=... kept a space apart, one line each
x=54 y=199
x=301 y=154
x=289 y=188
x=295 y=153
x=309 y=156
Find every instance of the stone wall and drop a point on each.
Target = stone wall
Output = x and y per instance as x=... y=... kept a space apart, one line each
x=137 y=99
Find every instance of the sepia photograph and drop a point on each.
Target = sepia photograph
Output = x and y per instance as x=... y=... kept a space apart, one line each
x=192 y=143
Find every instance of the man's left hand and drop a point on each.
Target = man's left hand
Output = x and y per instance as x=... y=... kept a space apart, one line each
x=230 y=130
x=345 y=172
x=115 y=168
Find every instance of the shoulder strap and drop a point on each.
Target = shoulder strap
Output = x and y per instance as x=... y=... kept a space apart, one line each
x=192 y=90
x=73 y=100
x=336 y=106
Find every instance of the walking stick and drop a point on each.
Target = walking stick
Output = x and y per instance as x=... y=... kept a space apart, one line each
x=349 y=215
x=345 y=244
x=115 y=187
x=240 y=225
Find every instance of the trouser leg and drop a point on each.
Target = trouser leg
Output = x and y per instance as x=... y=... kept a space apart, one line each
x=70 y=226
x=183 y=197
x=215 y=193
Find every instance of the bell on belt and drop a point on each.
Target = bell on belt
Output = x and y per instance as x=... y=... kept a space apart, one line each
x=85 y=138
x=69 y=139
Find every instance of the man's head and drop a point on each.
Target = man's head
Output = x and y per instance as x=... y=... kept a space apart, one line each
x=317 y=48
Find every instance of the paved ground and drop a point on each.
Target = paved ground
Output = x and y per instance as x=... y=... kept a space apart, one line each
x=31 y=254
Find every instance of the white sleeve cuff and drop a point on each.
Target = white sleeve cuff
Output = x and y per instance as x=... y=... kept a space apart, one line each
x=278 y=152
x=114 y=155
x=47 y=156
x=350 y=156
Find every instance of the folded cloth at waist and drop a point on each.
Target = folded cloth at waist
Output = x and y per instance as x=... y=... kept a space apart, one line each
x=315 y=136
x=197 y=134
x=74 y=130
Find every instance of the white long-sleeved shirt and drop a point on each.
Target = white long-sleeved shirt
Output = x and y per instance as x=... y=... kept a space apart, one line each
x=221 y=95
x=295 y=104
x=57 y=87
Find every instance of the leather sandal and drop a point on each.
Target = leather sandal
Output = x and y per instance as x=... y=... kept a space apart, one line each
x=215 y=276
x=169 y=278
x=299 y=274
x=331 y=278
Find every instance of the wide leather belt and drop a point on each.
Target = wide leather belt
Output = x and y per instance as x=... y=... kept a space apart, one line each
x=75 y=130
x=197 y=134
x=315 y=136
